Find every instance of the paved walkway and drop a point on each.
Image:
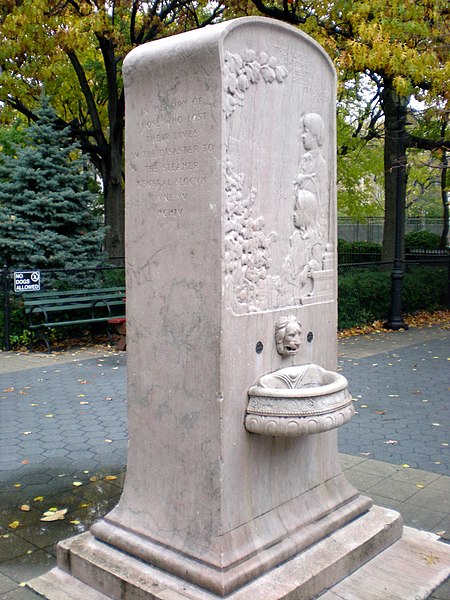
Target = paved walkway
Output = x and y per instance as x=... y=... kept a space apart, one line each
x=63 y=423
x=400 y=382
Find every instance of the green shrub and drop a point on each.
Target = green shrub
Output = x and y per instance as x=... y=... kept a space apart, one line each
x=425 y=288
x=363 y=247
x=113 y=277
x=19 y=334
x=358 y=252
x=365 y=295
x=422 y=240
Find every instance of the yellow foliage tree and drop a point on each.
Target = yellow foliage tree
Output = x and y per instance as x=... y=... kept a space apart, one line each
x=402 y=45
x=75 y=48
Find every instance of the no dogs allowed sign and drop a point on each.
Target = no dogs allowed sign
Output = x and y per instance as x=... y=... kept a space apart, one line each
x=27 y=281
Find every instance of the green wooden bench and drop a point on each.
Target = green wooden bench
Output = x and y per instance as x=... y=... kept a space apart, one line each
x=50 y=309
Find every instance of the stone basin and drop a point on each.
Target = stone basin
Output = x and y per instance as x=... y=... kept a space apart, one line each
x=297 y=401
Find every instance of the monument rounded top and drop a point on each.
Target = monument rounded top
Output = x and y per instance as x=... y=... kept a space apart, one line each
x=201 y=38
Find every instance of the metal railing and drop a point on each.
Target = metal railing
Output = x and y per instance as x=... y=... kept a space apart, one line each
x=371 y=229
x=361 y=259
x=113 y=275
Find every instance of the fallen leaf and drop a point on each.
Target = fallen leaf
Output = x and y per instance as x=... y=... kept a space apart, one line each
x=84 y=505
x=441 y=533
x=25 y=508
x=405 y=466
x=5 y=535
x=14 y=525
x=380 y=412
x=57 y=515
x=108 y=441
x=25 y=462
x=420 y=486
x=93 y=478
x=55 y=511
x=363 y=406
x=11 y=389
x=17 y=485
x=431 y=559
x=38 y=499
x=110 y=477
x=75 y=522
x=77 y=483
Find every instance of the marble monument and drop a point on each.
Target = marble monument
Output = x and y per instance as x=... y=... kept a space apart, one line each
x=233 y=485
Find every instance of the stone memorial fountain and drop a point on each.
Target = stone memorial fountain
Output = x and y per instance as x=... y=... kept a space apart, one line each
x=233 y=485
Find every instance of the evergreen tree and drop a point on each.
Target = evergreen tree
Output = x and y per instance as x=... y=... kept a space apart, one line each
x=46 y=218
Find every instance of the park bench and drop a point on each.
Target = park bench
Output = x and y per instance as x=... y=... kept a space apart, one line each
x=50 y=309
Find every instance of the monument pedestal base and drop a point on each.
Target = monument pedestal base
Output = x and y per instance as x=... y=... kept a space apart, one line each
x=357 y=559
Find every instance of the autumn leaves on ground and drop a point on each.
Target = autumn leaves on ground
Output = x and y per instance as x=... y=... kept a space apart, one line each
x=420 y=319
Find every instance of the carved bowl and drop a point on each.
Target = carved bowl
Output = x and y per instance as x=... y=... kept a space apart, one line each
x=296 y=401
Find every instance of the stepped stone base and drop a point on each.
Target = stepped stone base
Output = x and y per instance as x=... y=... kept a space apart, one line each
x=409 y=570
x=367 y=559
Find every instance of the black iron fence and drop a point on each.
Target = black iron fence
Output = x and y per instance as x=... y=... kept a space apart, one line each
x=371 y=230
x=371 y=257
x=114 y=275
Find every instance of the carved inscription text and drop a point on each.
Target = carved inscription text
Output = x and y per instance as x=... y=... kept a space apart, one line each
x=170 y=162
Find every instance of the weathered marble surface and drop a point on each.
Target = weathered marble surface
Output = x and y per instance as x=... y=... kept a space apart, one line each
x=230 y=143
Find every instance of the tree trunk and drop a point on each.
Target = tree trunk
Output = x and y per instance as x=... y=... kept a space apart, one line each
x=115 y=220
x=114 y=202
x=114 y=193
x=395 y=174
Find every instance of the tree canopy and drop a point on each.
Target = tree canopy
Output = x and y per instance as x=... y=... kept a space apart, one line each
x=402 y=46
x=76 y=48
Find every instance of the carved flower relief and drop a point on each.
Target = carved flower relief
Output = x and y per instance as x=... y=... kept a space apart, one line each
x=241 y=71
x=246 y=252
